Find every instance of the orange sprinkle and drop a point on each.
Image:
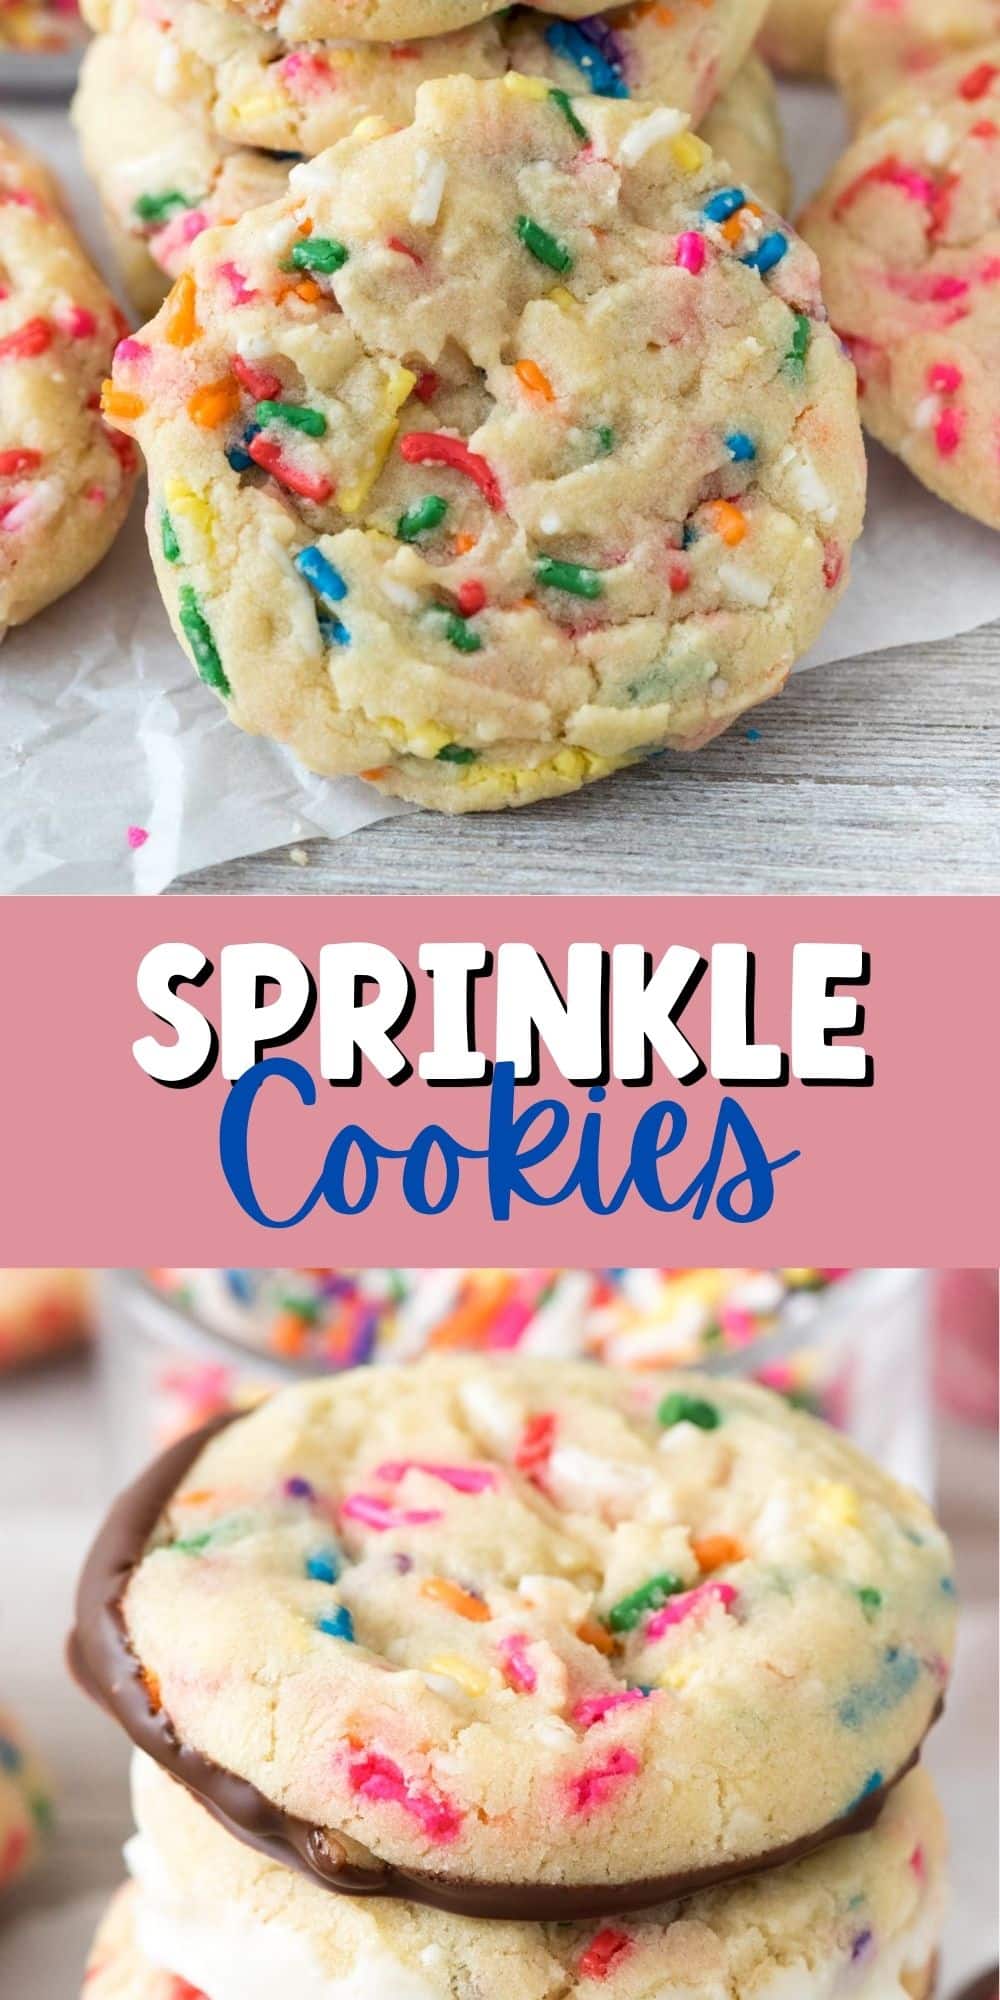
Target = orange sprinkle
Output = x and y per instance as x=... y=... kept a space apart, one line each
x=729 y=522
x=463 y=543
x=713 y=1551
x=531 y=375
x=469 y=1324
x=196 y=1498
x=594 y=1634
x=287 y=1333
x=120 y=403
x=152 y=1687
x=182 y=323
x=382 y=771
x=214 y=402
x=308 y=290
x=462 y=1602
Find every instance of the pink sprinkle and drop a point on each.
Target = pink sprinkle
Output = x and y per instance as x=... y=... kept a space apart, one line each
x=242 y=293
x=130 y=349
x=509 y=1323
x=464 y=1478
x=948 y=432
x=375 y=1777
x=307 y=75
x=688 y=1604
x=170 y=243
x=944 y=377
x=137 y=836
x=595 y=1707
x=691 y=251
x=377 y=1514
x=594 y=1786
x=918 y=1863
x=77 y=322
x=96 y=495
x=520 y=1673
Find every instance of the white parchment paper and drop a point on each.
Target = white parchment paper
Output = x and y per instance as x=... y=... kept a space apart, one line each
x=119 y=771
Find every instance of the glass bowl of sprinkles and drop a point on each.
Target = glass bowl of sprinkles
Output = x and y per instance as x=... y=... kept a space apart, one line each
x=177 y=1346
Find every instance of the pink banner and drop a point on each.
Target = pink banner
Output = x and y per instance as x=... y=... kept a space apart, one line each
x=206 y=1081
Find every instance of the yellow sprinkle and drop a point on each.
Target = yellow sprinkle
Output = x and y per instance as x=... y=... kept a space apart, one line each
x=689 y=152
x=838 y=1504
x=677 y=1676
x=397 y=388
x=372 y=127
x=468 y=1677
x=259 y=107
x=525 y=86
x=182 y=499
x=561 y=297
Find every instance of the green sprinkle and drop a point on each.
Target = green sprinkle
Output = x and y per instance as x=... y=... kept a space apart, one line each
x=160 y=207
x=680 y=1409
x=456 y=753
x=42 y=1812
x=457 y=632
x=795 y=359
x=298 y=415
x=565 y=104
x=192 y=1545
x=543 y=246
x=870 y=1599
x=625 y=1615
x=605 y=439
x=569 y=576
x=199 y=636
x=318 y=253
x=168 y=539
x=428 y=513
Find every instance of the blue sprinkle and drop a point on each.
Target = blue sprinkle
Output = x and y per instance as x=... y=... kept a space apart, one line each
x=948 y=1586
x=753 y=735
x=240 y=1283
x=320 y=574
x=566 y=39
x=900 y=1674
x=324 y=1566
x=689 y=534
x=768 y=253
x=10 y=1756
x=860 y=1945
x=872 y=1784
x=337 y=1624
x=299 y=1489
x=740 y=447
x=332 y=632
x=238 y=455
x=721 y=206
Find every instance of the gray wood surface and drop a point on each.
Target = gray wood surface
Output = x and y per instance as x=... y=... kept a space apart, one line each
x=877 y=776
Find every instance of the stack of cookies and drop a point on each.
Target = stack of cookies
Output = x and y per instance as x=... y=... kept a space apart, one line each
x=191 y=111
x=516 y=1681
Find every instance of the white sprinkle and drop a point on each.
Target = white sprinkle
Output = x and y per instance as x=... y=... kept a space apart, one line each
x=744 y=586
x=718 y=687
x=663 y=123
x=401 y=594
x=550 y=524
x=937 y=144
x=431 y=177
x=299 y=856
x=925 y=413
x=809 y=489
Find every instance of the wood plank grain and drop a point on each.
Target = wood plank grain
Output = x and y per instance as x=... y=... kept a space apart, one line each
x=878 y=776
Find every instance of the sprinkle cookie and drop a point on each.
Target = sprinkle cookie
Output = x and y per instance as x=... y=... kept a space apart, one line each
x=506 y=1628
x=65 y=478
x=863 y=1917
x=254 y=90
x=484 y=526
x=874 y=49
x=25 y=1803
x=161 y=177
x=298 y=21
x=907 y=230
x=794 y=36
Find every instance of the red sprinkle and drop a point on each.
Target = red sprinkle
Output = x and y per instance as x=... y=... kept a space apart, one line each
x=978 y=82
x=603 y=1953
x=679 y=576
x=259 y=383
x=19 y=460
x=310 y=486
x=945 y=377
x=471 y=597
x=436 y=448
x=376 y=1777
x=833 y=564
x=30 y=339
x=537 y=1440
x=593 y=1786
x=426 y=386
x=402 y=249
